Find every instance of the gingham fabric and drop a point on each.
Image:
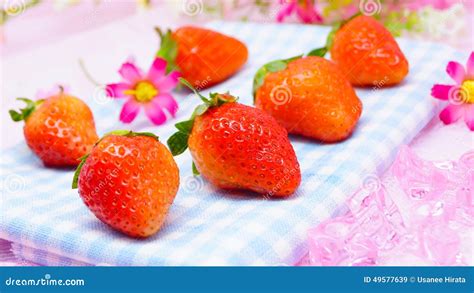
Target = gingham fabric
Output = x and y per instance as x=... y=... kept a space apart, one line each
x=207 y=226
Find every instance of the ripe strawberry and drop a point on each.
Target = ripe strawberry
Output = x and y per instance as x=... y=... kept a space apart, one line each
x=203 y=56
x=238 y=147
x=129 y=181
x=368 y=54
x=308 y=96
x=59 y=130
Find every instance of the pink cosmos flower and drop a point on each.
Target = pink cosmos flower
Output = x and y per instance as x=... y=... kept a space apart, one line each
x=305 y=9
x=460 y=95
x=150 y=91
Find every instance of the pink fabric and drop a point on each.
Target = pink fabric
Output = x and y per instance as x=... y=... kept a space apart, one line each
x=422 y=212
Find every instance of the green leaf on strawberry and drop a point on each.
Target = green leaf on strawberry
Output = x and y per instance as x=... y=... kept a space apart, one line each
x=321 y=52
x=75 y=179
x=273 y=66
x=24 y=113
x=195 y=170
x=168 y=49
x=178 y=142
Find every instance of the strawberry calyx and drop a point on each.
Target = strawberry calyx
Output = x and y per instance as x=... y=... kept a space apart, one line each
x=273 y=66
x=168 y=49
x=24 y=113
x=126 y=133
x=321 y=52
x=178 y=142
x=278 y=65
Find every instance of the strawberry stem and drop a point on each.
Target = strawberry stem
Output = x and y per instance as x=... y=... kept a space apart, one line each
x=189 y=86
x=168 y=49
x=87 y=74
x=178 y=142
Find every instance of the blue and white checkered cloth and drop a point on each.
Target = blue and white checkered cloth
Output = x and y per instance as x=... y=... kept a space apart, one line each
x=50 y=225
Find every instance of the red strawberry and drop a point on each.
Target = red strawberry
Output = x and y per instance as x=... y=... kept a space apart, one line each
x=204 y=57
x=59 y=130
x=238 y=147
x=368 y=54
x=129 y=181
x=308 y=96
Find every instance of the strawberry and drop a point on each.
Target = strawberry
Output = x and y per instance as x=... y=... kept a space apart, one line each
x=308 y=96
x=204 y=57
x=129 y=181
x=367 y=53
x=238 y=147
x=59 y=130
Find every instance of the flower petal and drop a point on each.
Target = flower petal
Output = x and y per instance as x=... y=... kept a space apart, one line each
x=469 y=116
x=307 y=13
x=157 y=70
x=441 y=91
x=470 y=66
x=154 y=112
x=285 y=11
x=130 y=72
x=168 y=83
x=168 y=102
x=451 y=114
x=456 y=71
x=116 y=90
x=129 y=111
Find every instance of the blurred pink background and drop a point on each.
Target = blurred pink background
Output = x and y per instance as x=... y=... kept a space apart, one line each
x=53 y=20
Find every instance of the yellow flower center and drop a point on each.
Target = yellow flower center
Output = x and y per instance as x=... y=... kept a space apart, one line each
x=468 y=91
x=143 y=92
